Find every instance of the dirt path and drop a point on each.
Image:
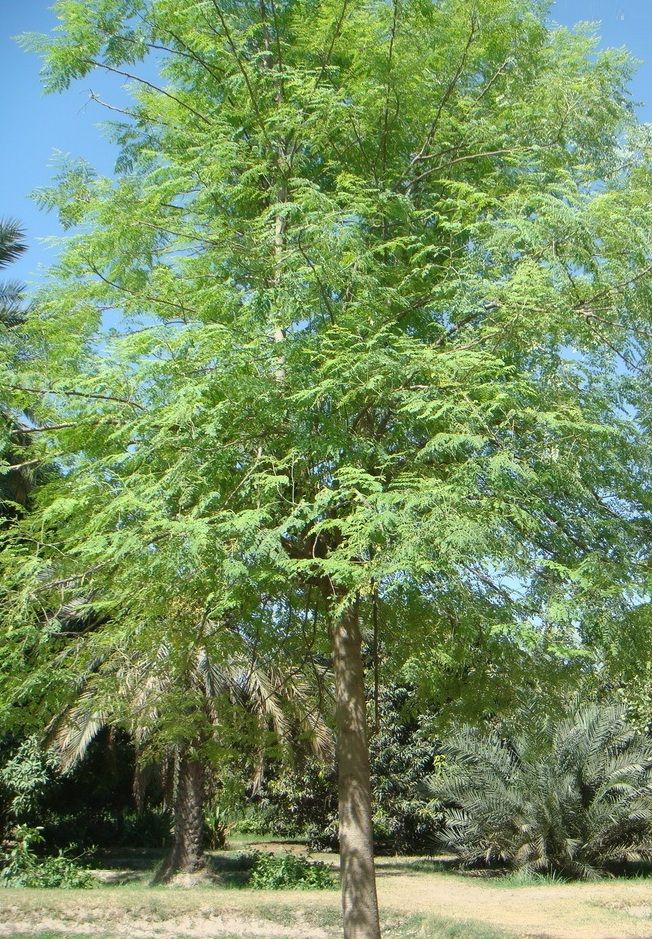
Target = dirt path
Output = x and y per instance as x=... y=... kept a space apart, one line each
x=607 y=910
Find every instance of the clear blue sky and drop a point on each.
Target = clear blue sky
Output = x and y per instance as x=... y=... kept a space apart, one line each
x=33 y=126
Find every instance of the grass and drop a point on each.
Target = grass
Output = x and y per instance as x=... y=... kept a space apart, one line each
x=69 y=935
x=421 y=898
x=526 y=879
x=394 y=927
x=437 y=927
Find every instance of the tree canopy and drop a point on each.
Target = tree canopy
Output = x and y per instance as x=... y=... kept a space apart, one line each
x=351 y=331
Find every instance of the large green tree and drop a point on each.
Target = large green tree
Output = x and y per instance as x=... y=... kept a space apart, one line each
x=340 y=336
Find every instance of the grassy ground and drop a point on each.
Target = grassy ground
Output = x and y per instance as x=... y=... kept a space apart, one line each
x=420 y=899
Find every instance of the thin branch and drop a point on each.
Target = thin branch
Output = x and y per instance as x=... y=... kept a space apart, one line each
x=322 y=289
x=234 y=49
x=191 y=54
x=73 y=578
x=143 y=81
x=499 y=71
x=279 y=54
x=75 y=394
x=329 y=53
x=447 y=94
x=133 y=293
x=383 y=144
x=180 y=234
x=63 y=425
x=473 y=156
x=19 y=466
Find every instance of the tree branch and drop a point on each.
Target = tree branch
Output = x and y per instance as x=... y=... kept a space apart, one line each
x=75 y=394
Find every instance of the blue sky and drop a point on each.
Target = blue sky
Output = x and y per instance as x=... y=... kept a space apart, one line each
x=34 y=126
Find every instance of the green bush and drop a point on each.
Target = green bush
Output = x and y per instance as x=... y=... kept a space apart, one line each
x=216 y=826
x=25 y=777
x=289 y=872
x=302 y=802
x=572 y=798
x=257 y=820
x=22 y=867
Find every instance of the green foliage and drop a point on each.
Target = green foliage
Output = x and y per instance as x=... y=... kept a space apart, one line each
x=571 y=798
x=216 y=825
x=290 y=872
x=90 y=805
x=433 y=214
x=22 y=867
x=402 y=755
x=257 y=820
x=12 y=301
x=358 y=318
x=26 y=777
x=302 y=801
x=524 y=877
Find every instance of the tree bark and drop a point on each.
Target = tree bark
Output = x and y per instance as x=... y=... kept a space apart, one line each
x=359 y=900
x=187 y=852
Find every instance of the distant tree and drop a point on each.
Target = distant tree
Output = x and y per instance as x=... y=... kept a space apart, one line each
x=14 y=483
x=149 y=697
x=12 y=246
x=573 y=797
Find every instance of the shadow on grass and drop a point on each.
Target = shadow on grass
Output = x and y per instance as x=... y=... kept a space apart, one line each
x=138 y=868
x=417 y=866
x=230 y=869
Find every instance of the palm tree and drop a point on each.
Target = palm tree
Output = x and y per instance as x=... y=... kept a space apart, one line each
x=570 y=798
x=14 y=484
x=12 y=246
x=143 y=695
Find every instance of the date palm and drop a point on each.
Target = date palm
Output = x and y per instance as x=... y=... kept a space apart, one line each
x=140 y=695
x=14 y=484
x=572 y=798
x=12 y=246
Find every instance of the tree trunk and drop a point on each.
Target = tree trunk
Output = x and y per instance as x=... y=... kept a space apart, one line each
x=187 y=852
x=359 y=900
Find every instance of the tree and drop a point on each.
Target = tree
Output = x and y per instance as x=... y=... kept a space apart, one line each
x=571 y=797
x=12 y=246
x=143 y=696
x=14 y=482
x=369 y=270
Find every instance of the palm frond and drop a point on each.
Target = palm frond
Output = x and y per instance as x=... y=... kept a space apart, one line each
x=575 y=799
x=12 y=243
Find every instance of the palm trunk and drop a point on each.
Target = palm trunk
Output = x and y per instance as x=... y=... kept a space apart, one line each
x=187 y=852
x=359 y=900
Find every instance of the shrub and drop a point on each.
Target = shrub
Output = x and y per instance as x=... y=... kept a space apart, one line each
x=302 y=802
x=257 y=820
x=402 y=754
x=26 y=776
x=150 y=827
x=216 y=826
x=23 y=868
x=573 y=798
x=289 y=872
